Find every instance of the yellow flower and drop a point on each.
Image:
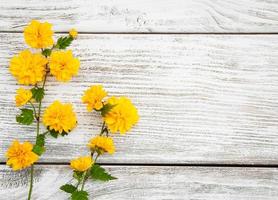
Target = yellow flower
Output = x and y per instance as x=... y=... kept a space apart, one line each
x=22 y=97
x=63 y=65
x=59 y=117
x=28 y=68
x=81 y=164
x=102 y=143
x=38 y=35
x=73 y=33
x=20 y=156
x=93 y=97
x=122 y=117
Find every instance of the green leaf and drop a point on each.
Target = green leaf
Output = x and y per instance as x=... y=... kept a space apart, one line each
x=106 y=109
x=64 y=133
x=37 y=149
x=63 y=42
x=77 y=175
x=68 y=188
x=40 y=140
x=80 y=195
x=99 y=173
x=39 y=146
x=55 y=134
x=46 y=52
x=26 y=117
x=38 y=93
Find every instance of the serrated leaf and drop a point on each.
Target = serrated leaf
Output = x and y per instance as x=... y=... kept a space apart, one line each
x=40 y=140
x=37 y=149
x=106 y=109
x=68 y=188
x=39 y=146
x=38 y=93
x=79 y=195
x=64 y=133
x=46 y=52
x=26 y=117
x=99 y=173
x=63 y=42
x=53 y=133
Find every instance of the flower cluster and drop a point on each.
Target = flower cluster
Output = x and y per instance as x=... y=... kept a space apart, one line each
x=122 y=113
x=119 y=115
x=31 y=68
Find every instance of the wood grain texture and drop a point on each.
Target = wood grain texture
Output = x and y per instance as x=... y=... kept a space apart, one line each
x=202 y=99
x=198 y=183
x=144 y=15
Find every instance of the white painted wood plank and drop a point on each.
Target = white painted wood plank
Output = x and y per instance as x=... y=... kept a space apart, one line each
x=198 y=183
x=144 y=15
x=201 y=98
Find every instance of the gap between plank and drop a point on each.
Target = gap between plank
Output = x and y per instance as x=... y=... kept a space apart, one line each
x=169 y=165
x=161 y=33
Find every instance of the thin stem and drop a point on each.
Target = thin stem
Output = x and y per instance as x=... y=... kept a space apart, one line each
x=37 y=132
x=78 y=184
x=102 y=128
x=38 y=128
x=97 y=157
x=31 y=182
x=40 y=105
x=83 y=180
x=34 y=109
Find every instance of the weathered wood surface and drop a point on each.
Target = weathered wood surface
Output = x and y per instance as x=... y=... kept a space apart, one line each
x=201 y=98
x=144 y=15
x=198 y=183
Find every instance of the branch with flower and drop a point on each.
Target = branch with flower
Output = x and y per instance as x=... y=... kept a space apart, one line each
x=119 y=115
x=31 y=68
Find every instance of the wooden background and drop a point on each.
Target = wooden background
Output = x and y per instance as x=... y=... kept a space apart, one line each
x=203 y=74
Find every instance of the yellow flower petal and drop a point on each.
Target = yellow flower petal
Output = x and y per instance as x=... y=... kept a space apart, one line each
x=28 y=68
x=122 y=116
x=81 y=164
x=22 y=97
x=93 y=97
x=60 y=117
x=73 y=33
x=63 y=65
x=21 y=156
x=102 y=143
x=39 y=35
